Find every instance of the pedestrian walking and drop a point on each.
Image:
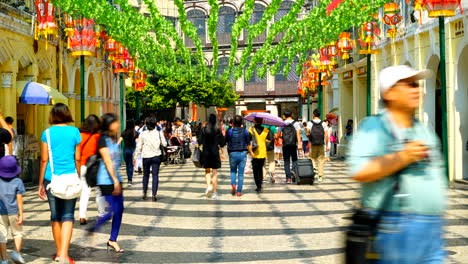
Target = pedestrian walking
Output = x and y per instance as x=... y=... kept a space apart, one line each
x=12 y=147
x=278 y=147
x=11 y=209
x=269 y=167
x=138 y=159
x=398 y=160
x=6 y=134
x=149 y=147
x=292 y=143
x=258 y=151
x=304 y=138
x=89 y=133
x=349 y=130
x=317 y=137
x=212 y=143
x=66 y=154
x=238 y=141
x=109 y=180
x=328 y=132
x=129 y=137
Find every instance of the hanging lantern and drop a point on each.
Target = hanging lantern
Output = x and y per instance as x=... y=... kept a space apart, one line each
x=345 y=45
x=369 y=32
x=83 y=42
x=438 y=8
x=333 y=52
x=97 y=35
x=392 y=18
x=45 y=24
x=69 y=28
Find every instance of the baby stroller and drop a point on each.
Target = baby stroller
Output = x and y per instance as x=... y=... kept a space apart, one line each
x=175 y=153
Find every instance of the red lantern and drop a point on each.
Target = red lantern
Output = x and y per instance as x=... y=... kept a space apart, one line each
x=45 y=19
x=83 y=41
x=345 y=45
x=438 y=8
x=392 y=18
x=110 y=45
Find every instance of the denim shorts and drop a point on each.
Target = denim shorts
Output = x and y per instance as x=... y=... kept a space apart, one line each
x=60 y=210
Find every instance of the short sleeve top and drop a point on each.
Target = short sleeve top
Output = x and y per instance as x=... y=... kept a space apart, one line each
x=422 y=183
x=88 y=146
x=9 y=188
x=63 y=144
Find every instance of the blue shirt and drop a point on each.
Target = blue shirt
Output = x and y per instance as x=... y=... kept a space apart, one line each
x=9 y=188
x=103 y=176
x=64 y=140
x=422 y=184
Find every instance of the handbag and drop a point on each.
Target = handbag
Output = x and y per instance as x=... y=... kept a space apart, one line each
x=163 y=150
x=65 y=186
x=92 y=168
x=196 y=157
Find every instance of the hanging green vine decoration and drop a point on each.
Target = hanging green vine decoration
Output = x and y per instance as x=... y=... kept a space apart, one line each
x=212 y=25
x=241 y=22
x=255 y=30
x=189 y=29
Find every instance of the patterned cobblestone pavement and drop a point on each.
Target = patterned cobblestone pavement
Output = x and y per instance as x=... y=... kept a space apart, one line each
x=285 y=224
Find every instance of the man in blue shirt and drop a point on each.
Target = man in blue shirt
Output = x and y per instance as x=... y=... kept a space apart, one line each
x=394 y=147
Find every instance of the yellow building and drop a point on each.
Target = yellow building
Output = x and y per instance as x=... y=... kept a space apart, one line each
x=24 y=59
x=417 y=45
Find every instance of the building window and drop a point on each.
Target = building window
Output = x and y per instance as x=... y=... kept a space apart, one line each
x=198 y=18
x=227 y=16
x=283 y=10
x=255 y=78
x=290 y=76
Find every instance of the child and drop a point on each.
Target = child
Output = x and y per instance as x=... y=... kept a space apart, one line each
x=11 y=207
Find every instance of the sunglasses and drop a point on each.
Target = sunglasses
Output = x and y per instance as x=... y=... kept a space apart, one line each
x=410 y=84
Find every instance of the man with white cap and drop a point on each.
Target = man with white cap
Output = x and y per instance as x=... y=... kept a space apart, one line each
x=399 y=163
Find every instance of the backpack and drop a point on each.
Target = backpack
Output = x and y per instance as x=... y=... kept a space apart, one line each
x=317 y=134
x=289 y=135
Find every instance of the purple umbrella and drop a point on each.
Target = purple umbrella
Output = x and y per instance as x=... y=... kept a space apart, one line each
x=268 y=119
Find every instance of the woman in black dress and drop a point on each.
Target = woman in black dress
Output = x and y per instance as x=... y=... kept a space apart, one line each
x=211 y=140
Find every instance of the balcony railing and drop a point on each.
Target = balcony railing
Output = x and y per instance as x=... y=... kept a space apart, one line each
x=255 y=89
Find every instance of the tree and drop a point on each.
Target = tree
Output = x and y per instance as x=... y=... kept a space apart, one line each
x=164 y=92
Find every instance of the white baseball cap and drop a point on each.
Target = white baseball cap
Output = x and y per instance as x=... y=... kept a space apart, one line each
x=391 y=75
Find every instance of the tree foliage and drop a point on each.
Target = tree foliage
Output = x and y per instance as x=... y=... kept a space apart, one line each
x=163 y=92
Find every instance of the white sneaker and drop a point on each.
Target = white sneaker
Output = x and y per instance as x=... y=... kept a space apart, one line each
x=214 y=196
x=209 y=191
x=17 y=258
x=320 y=179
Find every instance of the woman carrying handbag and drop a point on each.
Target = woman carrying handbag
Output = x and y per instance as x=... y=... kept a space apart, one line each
x=149 y=147
x=109 y=180
x=60 y=157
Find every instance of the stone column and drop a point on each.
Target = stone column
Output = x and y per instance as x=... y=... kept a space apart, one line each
x=271 y=106
x=8 y=91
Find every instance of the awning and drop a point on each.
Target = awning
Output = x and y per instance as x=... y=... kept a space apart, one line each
x=38 y=93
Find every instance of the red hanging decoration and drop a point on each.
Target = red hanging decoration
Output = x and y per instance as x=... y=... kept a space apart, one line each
x=392 y=18
x=438 y=8
x=83 y=42
x=345 y=45
x=45 y=24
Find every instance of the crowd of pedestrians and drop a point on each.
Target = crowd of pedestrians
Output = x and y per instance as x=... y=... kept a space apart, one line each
x=392 y=154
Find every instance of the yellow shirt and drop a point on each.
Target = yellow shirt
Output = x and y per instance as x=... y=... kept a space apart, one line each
x=261 y=151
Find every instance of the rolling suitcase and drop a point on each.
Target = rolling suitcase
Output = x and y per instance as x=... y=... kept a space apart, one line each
x=304 y=172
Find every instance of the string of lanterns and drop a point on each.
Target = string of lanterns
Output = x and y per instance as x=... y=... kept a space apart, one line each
x=323 y=63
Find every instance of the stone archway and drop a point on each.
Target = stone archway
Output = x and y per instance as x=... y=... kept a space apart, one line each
x=432 y=96
x=461 y=116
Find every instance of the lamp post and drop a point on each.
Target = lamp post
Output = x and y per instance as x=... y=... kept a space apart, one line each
x=440 y=9
x=320 y=94
x=121 y=102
